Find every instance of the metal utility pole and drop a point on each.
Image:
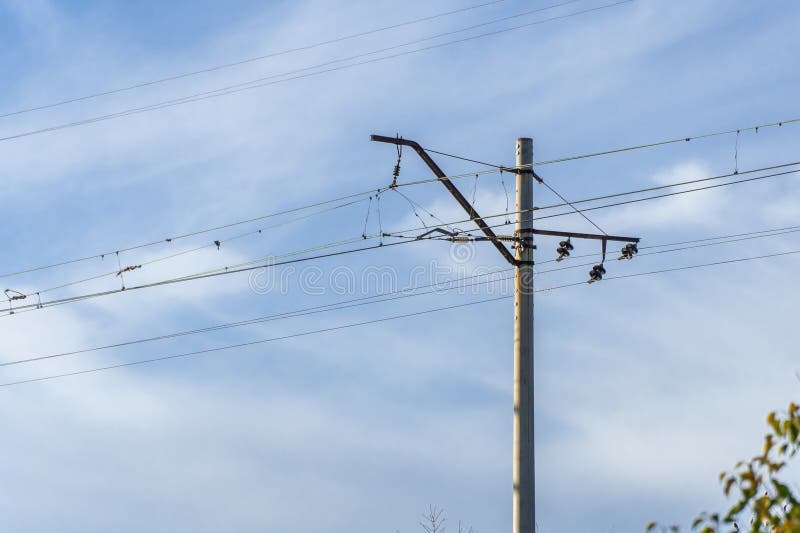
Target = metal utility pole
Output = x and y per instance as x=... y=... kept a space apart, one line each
x=524 y=490
x=524 y=512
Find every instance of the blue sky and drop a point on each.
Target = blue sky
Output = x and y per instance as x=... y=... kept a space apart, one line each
x=646 y=387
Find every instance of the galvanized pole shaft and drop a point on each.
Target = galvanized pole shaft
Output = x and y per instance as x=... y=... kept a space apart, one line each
x=523 y=462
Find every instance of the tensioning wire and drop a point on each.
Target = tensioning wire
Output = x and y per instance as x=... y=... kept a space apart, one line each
x=287 y=76
x=381 y=297
x=168 y=240
x=202 y=247
x=384 y=319
x=444 y=286
x=246 y=266
x=256 y=342
x=246 y=61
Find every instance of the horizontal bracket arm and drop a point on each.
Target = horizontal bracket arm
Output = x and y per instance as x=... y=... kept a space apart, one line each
x=575 y=235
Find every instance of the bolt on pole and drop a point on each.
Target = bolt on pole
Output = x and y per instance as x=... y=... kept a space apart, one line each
x=524 y=490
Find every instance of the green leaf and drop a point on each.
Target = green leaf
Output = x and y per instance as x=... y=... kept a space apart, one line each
x=728 y=484
x=772 y=421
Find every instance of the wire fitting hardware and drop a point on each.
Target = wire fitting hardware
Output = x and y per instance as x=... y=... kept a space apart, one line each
x=128 y=269
x=436 y=230
x=517 y=170
x=396 y=170
x=12 y=295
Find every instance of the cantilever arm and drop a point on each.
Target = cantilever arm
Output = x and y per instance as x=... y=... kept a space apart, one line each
x=473 y=215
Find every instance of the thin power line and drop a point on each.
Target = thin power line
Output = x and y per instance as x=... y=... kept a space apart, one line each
x=638 y=191
x=254 y=84
x=444 y=286
x=336 y=306
x=681 y=183
x=253 y=343
x=217 y=243
x=399 y=234
x=171 y=239
x=656 y=252
x=571 y=204
x=236 y=269
x=261 y=263
x=696 y=243
x=677 y=269
x=689 y=138
x=379 y=320
x=754 y=234
x=655 y=197
x=535 y=175
x=367 y=193
x=248 y=60
x=668 y=141
x=666 y=195
x=363 y=195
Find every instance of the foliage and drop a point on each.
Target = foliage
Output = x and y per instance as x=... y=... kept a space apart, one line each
x=764 y=503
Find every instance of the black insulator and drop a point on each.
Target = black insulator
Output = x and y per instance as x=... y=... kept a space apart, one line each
x=628 y=251
x=596 y=273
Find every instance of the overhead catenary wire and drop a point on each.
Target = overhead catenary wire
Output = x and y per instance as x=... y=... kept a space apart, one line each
x=240 y=62
x=443 y=286
x=677 y=269
x=575 y=209
x=291 y=76
x=173 y=238
x=384 y=319
x=698 y=243
x=686 y=138
x=435 y=288
x=216 y=243
x=681 y=183
x=399 y=234
x=416 y=205
x=235 y=269
x=262 y=263
x=538 y=178
x=253 y=343
x=659 y=252
x=666 y=195
x=637 y=191
x=364 y=195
